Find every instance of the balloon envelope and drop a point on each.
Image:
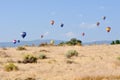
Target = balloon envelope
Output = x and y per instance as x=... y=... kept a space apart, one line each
x=18 y=41
x=98 y=23
x=14 y=41
x=83 y=34
x=108 y=29
x=23 y=34
x=41 y=36
x=52 y=22
x=104 y=17
x=62 y=25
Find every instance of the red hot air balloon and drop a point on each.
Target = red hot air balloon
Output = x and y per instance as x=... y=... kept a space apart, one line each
x=98 y=23
x=52 y=22
x=83 y=34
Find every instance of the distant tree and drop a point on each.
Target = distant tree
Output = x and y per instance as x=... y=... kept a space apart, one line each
x=72 y=41
x=117 y=41
x=113 y=42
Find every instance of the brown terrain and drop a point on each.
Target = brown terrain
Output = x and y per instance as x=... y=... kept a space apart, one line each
x=94 y=62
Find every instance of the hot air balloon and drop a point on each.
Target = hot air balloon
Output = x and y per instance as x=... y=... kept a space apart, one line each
x=83 y=34
x=18 y=41
x=52 y=22
x=108 y=29
x=104 y=17
x=98 y=23
x=52 y=42
x=23 y=34
x=41 y=36
x=14 y=41
x=61 y=25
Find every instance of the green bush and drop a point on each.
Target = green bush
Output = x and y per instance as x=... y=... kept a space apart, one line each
x=42 y=56
x=72 y=42
x=29 y=59
x=21 y=48
x=71 y=53
x=10 y=67
x=115 y=42
x=118 y=58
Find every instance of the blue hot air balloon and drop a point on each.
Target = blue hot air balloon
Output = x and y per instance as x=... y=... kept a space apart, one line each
x=23 y=34
x=62 y=25
x=18 y=41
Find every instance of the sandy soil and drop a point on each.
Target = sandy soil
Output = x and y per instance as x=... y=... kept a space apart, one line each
x=94 y=62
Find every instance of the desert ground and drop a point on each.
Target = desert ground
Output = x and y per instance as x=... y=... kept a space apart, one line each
x=94 y=62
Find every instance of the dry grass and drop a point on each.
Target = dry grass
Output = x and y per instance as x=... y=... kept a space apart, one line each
x=95 y=62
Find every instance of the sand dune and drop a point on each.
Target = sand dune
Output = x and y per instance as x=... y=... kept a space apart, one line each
x=94 y=62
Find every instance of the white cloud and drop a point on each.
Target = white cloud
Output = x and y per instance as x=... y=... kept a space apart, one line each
x=87 y=25
x=46 y=33
x=101 y=7
x=70 y=34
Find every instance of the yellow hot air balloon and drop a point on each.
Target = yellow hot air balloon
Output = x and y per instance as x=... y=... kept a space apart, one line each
x=108 y=29
x=52 y=42
x=52 y=22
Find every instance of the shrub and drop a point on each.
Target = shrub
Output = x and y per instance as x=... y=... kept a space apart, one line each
x=29 y=78
x=71 y=53
x=21 y=48
x=10 y=67
x=72 y=42
x=29 y=59
x=4 y=48
x=118 y=58
x=43 y=44
x=42 y=56
x=113 y=42
x=69 y=62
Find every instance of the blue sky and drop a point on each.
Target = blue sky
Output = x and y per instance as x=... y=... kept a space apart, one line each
x=34 y=16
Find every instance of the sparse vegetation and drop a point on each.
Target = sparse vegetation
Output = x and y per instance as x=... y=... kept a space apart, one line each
x=29 y=59
x=3 y=54
x=10 y=67
x=21 y=48
x=4 y=48
x=72 y=42
x=29 y=78
x=69 y=62
x=42 y=56
x=71 y=53
x=43 y=44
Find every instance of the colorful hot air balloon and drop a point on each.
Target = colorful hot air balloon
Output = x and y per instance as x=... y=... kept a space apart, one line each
x=83 y=34
x=23 y=34
x=42 y=36
x=52 y=22
x=14 y=41
x=61 y=25
x=108 y=29
x=98 y=23
x=104 y=17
